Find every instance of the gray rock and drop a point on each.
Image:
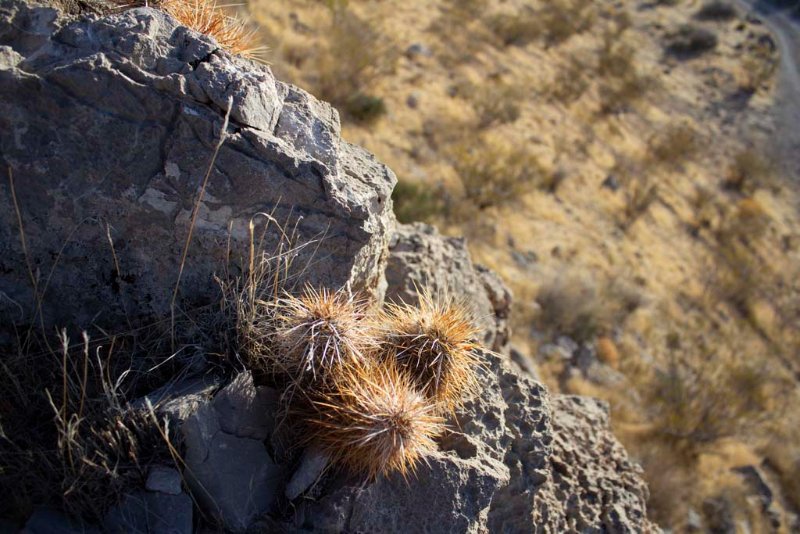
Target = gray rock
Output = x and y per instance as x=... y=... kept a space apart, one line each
x=420 y=257
x=569 y=345
x=596 y=485
x=312 y=465
x=514 y=461
x=108 y=124
x=164 y=480
x=246 y=411
x=555 y=352
x=418 y=50
x=49 y=521
x=150 y=513
x=228 y=468
x=694 y=523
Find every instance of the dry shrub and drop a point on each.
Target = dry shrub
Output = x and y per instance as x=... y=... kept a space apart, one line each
x=518 y=29
x=615 y=57
x=460 y=30
x=356 y=56
x=575 y=306
x=621 y=82
x=741 y=277
x=561 y=19
x=494 y=103
x=639 y=189
x=748 y=172
x=570 y=82
x=675 y=144
x=494 y=171
x=417 y=202
x=759 y=65
x=707 y=391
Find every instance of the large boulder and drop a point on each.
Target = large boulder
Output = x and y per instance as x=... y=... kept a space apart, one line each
x=107 y=128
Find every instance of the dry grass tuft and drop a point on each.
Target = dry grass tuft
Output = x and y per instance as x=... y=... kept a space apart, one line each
x=494 y=172
x=209 y=18
x=434 y=344
x=373 y=421
x=319 y=332
x=68 y=437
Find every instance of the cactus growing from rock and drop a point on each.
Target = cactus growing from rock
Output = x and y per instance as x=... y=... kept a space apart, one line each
x=373 y=421
x=434 y=343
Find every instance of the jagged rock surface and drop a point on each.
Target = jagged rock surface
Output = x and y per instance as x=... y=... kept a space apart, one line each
x=421 y=257
x=108 y=125
x=228 y=468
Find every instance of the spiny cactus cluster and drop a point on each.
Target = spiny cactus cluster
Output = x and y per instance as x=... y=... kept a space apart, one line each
x=370 y=389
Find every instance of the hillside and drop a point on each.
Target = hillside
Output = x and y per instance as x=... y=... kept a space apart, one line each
x=614 y=162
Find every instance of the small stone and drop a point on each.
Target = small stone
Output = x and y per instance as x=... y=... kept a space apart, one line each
x=50 y=521
x=146 y=512
x=611 y=182
x=418 y=50
x=312 y=465
x=164 y=480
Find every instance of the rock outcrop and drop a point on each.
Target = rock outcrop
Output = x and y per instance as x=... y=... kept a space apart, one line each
x=108 y=124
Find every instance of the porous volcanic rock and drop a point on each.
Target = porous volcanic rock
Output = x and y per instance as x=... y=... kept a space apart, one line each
x=108 y=125
x=515 y=460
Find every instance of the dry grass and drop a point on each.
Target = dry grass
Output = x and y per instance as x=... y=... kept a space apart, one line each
x=434 y=343
x=68 y=438
x=209 y=18
x=675 y=144
x=373 y=421
x=494 y=171
x=347 y=83
x=578 y=307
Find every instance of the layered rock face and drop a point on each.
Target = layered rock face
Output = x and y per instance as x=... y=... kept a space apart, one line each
x=108 y=125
